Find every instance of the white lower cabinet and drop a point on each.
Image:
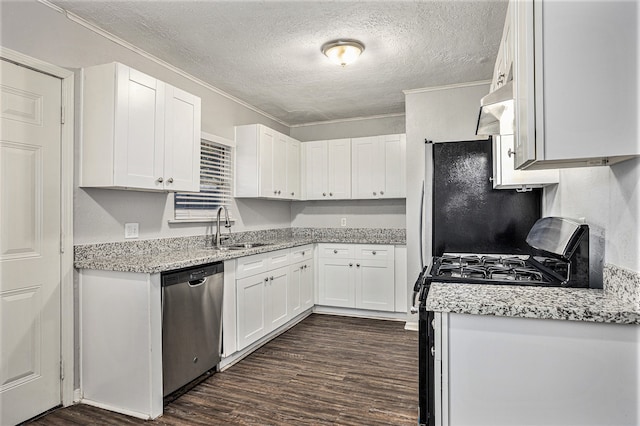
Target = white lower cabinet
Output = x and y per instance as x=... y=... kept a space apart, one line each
x=271 y=289
x=356 y=276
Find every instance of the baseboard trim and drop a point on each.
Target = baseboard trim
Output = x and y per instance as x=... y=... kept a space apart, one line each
x=116 y=409
x=360 y=313
x=411 y=326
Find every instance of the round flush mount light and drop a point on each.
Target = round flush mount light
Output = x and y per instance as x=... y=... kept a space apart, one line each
x=342 y=52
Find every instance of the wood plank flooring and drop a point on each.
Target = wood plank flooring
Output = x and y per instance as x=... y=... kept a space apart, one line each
x=327 y=370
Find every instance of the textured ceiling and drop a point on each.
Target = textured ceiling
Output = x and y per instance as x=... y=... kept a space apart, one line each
x=267 y=53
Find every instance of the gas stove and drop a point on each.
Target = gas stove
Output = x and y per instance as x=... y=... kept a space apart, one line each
x=499 y=269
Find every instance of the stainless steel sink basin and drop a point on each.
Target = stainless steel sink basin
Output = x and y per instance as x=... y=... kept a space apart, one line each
x=241 y=246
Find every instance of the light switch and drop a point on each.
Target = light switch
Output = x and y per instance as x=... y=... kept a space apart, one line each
x=131 y=230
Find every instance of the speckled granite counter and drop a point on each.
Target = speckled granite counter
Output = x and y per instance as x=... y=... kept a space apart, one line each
x=159 y=255
x=618 y=303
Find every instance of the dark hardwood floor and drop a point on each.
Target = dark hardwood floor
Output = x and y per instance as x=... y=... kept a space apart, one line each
x=327 y=370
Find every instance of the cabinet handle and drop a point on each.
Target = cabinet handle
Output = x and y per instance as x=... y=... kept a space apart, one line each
x=373 y=252
x=279 y=192
x=160 y=180
x=271 y=278
x=266 y=279
x=357 y=265
x=303 y=253
x=374 y=193
x=324 y=194
x=170 y=180
x=331 y=194
x=275 y=192
x=381 y=192
x=293 y=193
x=335 y=252
x=510 y=152
x=350 y=265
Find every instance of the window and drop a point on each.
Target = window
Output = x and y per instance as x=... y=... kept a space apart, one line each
x=216 y=174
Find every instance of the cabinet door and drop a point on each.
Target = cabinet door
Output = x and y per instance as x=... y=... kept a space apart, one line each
x=182 y=141
x=306 y=286
x=506 y=177
x=374 y=285
x=139 y=130
x=293 y=169
x=336 y=286
x=279 y=166
x=392 y=155
x=294 y=299
x=365 y=167
x=524 y=85
x=251 y=302
x=266 y=140
x=339 y=168
x=315 y=154
x=276 y=301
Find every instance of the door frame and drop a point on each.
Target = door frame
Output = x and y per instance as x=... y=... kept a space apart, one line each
x=67 y=358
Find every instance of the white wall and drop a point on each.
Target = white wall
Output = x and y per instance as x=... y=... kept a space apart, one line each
x=438 y=114
x=608 y=198
x=353 y=128
x=39 y=31
x=358 y=213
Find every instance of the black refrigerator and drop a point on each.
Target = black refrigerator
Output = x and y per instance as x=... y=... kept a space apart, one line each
x=462 y=213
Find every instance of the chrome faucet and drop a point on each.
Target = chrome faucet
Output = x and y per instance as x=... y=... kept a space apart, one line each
x=227 y=224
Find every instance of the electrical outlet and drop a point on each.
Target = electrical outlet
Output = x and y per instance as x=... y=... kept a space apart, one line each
x=343 y=221
x=131 y=230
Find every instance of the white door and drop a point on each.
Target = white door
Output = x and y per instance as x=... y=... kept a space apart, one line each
x=365 y=170
x=315 y=154
x=339 y=168
x=251 y=299
x=294 y=296
x=139 y=130
x=182 y=140
x=277 y=306
x=306 y=286
x=336 y=283
x=30 y=145
x=392 y=166
x=266 y=138
x=293 y=169
x=279 y=166
x=375 y=285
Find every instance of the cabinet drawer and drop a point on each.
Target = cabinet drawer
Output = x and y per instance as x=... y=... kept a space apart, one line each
x=251 y=265
x=278 y=259
x=336 y=251
x=299 y=254
x=375 y=252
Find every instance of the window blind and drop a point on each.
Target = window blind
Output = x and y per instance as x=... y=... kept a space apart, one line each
x=216 y=176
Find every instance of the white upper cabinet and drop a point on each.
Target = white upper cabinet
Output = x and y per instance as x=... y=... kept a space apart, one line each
x=575 y=81
x=327 y=169
x=294 y=160
x=505 y=176
x=138 y=132
x=502 y=71
x=378 y=167
x=265 y=163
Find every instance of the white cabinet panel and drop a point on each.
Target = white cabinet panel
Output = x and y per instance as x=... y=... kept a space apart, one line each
x=252 y=300
x=277 y=307
x=138 y=132
x=575 y=109
x=327 y=169
x=378 y=167
x=375 y=287
x=505 y=176
x=267 y=163
x=306 y=286
x=357 y=276
x=337 y=282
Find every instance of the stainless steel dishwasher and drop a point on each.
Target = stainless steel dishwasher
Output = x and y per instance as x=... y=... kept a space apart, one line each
x=191 y=323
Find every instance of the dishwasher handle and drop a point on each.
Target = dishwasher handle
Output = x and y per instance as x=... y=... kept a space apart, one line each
x=198 y=282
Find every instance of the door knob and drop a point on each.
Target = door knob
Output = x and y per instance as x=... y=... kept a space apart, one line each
x=357 y=265
x=160 y=180
x=510 y=152
x=374 y=193
x=381 y=192
x=373 y=252
x=331 y=194
x=335 y=252
x=170 y=180
x=324 y=194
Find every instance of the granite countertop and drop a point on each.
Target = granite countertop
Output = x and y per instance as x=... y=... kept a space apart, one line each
x=611 y=305
x=160 y=255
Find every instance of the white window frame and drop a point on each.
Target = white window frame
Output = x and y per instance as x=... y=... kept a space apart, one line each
x=208 y=217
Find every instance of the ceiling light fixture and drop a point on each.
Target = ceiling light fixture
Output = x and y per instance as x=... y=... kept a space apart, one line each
x=343 y=52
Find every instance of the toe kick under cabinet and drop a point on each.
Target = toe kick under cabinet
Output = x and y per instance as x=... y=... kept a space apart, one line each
x=356 y=276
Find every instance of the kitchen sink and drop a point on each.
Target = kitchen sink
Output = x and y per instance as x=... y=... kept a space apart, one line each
x=241 y=246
